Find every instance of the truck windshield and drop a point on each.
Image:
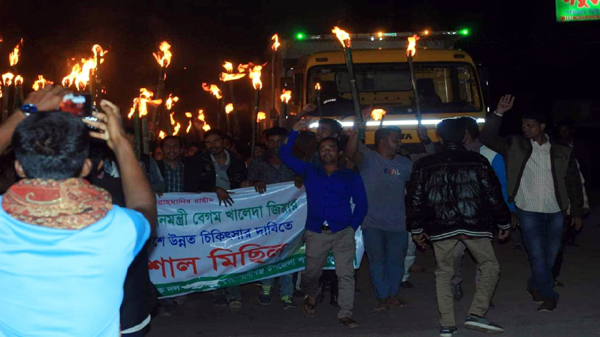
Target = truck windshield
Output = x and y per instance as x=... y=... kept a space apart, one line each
x=442 y=87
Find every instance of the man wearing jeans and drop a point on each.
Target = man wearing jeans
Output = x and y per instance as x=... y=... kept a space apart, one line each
x=330 y=221
x=454 y=197
x=543 y=181
x=385 y=174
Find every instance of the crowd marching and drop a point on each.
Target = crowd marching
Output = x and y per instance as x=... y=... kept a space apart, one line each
x=78 y=207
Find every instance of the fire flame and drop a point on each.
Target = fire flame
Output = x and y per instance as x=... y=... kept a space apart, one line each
x=171 y=117
x=229 y=108
x=18 y=80
x=189 y=127
x=225 y=77
x=377 y=114
x=318 y=86
x=242 y=68
x=206 y=127
x=0 y=88
x=213 y=89
x=286 y=95
x=7 y=79
x=40 y=83
x=201 y=115
x=188 y=115
x=176 y=129
x=141 y=103
x=261 y=116
x=163 y=57
x=80 y=73
x=411 y=48
x=162 y=135
x=255 y=76
x=14 y=56
x=344 y=37
x=276 y=44
x=170 y=102
x=228 y=67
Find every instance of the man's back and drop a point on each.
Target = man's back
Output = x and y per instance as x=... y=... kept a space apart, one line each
x=66 y=282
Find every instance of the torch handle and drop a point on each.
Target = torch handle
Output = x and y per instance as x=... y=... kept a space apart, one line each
x=354 y=89
x=413 y=81
x=254 y=122
x=5 y=96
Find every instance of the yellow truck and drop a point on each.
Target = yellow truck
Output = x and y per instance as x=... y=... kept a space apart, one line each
x=448 y=84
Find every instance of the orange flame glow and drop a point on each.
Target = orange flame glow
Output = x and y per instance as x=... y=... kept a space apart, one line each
x=228 y=108
x=40 y=83
x=228 y=67
x=377 y=114
x=201 y=115
x=141 y=103
x=226 y=77
x=0 y=89
x=163 y=57
x=286 y=96
x=213 y=89
x=242 y=68
x=176 y=129
x=411 y=48
x=206 y=127
x=7 y=79
x=318 y=86
x=188 y=115
x=255 y=76
x=18 y=80
x=14 y=56
x=80 y=73
x=171 y=117
x=276 y=44
x=344 y=37
x=189 y=127
x=170 y=102
x=162 y=135
x=261 y=116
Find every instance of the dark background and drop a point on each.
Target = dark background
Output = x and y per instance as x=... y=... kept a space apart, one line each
x=551 y=67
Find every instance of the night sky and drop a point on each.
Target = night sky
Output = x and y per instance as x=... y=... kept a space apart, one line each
x=527 y=53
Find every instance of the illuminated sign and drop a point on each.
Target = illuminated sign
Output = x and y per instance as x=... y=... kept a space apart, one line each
x=577 y=10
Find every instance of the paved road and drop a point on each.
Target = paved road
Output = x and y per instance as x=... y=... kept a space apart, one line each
x=578 y=313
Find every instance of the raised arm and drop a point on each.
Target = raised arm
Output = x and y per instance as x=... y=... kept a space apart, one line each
x=136 y=188
x=490 y=136
x=285 y=151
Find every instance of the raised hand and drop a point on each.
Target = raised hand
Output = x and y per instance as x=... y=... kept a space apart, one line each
x=506 y=103
x=301 y=124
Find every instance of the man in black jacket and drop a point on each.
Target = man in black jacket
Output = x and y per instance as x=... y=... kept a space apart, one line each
x=455 y=196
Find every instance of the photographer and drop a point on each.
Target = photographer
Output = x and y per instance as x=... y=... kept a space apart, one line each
x=65 y=248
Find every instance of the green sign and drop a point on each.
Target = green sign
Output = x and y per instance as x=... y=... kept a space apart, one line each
x=577 y=10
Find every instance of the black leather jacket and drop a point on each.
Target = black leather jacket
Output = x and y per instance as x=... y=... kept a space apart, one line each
x=455 y=193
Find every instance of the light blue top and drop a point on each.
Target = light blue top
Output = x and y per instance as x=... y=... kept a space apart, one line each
x=499 y=167
x=60 y=282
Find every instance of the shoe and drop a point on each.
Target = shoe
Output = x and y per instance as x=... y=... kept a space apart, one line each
x=235 y=305
x=286 y=303
x=382 y=305
x=481 y=324
x=220 y=301
x=457 y=292
x=265 y=296
x=547 y=306
x=448 y=331
x=349 y=322
x=397 y=302
x=406 y=285
x=535 y=296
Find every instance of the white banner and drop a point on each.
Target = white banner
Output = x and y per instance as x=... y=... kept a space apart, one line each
x=200 y=246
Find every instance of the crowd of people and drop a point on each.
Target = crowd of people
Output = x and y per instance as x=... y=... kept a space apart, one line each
x=74 y=192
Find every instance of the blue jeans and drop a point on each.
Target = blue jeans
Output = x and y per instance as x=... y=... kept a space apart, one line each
x=542 y=234
x=386 y=251
x=286 y=284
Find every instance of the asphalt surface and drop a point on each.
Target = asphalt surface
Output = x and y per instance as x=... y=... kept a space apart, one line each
x=577 y=315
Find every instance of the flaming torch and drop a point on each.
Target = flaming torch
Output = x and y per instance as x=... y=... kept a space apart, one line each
x=228 y=110
x=286 y=96
x=140 y=104
x=96 y=82
x=411 y=51
x=346 y=42
x=215 y=91
x=40 y=83
x=274 y=47
x=163 y=58
x=18 y=99
x=6 y=83
x=255 y=74
x=228 y=76
x=378 y=115
x=261 y=116
x=318 y=89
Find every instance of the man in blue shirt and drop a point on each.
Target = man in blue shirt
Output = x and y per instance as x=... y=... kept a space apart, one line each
x=330 y=220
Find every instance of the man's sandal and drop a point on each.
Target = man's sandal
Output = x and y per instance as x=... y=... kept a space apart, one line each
x=349 y=322
x=310 y=309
